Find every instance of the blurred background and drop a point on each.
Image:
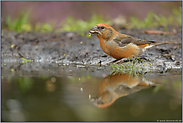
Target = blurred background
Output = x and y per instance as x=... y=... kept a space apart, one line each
x=80 y=16
x=58 y=11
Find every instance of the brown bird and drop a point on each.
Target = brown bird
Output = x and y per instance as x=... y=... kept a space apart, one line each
x=119 y=45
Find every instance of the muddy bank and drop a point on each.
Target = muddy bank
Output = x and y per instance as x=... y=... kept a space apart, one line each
x=70 y=48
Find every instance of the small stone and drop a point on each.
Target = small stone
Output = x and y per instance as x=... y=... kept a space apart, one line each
x=89 y=96
x=81 y=89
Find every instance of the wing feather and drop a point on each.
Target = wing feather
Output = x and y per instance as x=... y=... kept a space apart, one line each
x=123 y=41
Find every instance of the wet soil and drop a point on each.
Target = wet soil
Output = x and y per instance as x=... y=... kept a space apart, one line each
x=69 y=48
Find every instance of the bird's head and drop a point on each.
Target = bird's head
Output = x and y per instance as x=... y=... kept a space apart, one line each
x=104 y=100
x=102 y=31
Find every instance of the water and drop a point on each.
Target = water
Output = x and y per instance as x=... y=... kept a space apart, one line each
x=89 y=94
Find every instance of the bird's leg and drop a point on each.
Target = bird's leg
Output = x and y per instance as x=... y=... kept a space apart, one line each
x=122 y=60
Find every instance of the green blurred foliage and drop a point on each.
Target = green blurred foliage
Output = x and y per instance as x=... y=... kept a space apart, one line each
x=71 y=24
x=178 y=15
x=46 y=27
x=20 y=24
x=153 y=20
x=80 y=79
x=24 y=83
x=76 y=25
x=175 y=86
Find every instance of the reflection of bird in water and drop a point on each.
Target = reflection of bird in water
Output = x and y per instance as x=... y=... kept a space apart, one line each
x=115 y=86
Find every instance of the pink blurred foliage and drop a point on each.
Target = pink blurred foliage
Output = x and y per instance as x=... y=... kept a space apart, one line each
x=46 y=11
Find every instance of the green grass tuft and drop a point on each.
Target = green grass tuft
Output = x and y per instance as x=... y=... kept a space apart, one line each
x=130 y=67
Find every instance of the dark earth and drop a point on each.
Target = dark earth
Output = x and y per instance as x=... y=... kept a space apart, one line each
x=65 y=48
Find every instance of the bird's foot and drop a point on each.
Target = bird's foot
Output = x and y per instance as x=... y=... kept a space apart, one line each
x=144 y=58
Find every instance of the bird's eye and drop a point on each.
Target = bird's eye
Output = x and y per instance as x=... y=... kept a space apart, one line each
x=102 y=27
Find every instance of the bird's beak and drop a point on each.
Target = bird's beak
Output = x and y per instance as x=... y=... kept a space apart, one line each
x=94 y=30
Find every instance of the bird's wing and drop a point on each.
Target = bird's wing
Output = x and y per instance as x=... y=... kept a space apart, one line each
x=123 y=41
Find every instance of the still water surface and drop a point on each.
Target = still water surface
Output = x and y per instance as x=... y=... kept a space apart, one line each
x=80 y=94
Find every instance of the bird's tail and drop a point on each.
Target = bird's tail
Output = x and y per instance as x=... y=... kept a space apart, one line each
x=155 y=44
x=160 y=43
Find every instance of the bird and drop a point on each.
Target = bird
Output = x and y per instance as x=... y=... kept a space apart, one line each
x=118 y=45
x=115 y=86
